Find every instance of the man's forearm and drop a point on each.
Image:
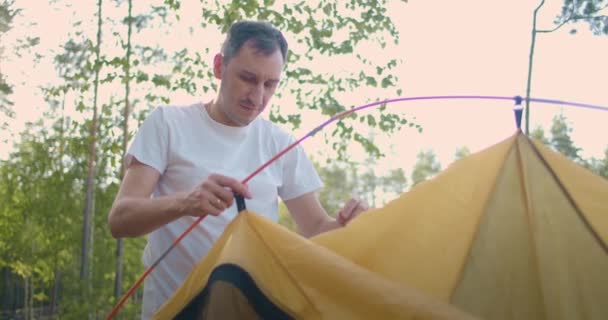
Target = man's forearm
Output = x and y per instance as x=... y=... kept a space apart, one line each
x=134 y=216
x=326 y=225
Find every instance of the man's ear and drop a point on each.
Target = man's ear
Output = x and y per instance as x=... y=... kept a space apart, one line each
x=218 y=64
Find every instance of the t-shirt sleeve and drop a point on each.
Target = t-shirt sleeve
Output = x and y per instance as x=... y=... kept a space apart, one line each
x=150 y=145
x=299 y=175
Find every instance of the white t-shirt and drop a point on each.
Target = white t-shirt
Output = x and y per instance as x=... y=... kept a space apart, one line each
x=186 y=145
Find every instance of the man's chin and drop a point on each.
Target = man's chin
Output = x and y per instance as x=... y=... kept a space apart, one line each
x=241 y=122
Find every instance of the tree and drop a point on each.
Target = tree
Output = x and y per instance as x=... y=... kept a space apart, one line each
x=589 y=11
x=12 y=51
x=370 y=185
x=573 y=11
x=462 y=152
x=89 y=209
x=40 y=201
x=68 y=154
x=426 y=167
x=7 y=14
x=601 y=166
x=561 y=140
x=394 y=182
x=125 y=139
x=539 y=134
x=328 y=29
x=343 y=180
x=598 y=166
x=339 y=185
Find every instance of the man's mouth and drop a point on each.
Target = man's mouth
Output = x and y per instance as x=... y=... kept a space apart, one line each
x=247 y=106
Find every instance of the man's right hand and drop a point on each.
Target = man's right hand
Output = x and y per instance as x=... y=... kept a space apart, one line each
x=134 y=213
x=213 y=195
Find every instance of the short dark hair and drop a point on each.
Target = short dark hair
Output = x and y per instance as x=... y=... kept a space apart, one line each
x=264 y=37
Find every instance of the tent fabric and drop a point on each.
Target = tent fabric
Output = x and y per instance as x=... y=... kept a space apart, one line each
x=302 y=279
x=515 y=231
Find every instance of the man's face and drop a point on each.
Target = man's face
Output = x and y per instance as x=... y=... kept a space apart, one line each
x=248 y=82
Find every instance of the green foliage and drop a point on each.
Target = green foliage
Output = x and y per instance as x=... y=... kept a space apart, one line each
x=426 y=167
x=343 y=180
x=285 y=219
x=561 y=142
x=331 y=29
x=340 y=184
x=589 y=11
x=601 y=166
x=560 y=138
x=42 y=202
x=370 y=184
x=539 y=134
x=461 y=152
x=7 y=14
x=43 y=182
x=573 y=11
x=41 y=188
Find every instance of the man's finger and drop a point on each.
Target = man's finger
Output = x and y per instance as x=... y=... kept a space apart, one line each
x=233 y=184
x=352 y=205
x=363 y=206
x=225 y=195
x=209 y=204
x=347 y=211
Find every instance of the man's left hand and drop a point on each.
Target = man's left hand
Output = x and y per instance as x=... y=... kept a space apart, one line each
x=351 y=209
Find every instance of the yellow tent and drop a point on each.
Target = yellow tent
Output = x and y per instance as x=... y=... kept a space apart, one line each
x=516 y=231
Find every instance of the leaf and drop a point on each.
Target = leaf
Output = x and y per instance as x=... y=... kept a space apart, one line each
x=161 y=80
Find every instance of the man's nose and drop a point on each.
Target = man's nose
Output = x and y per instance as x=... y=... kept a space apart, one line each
x=256 y=95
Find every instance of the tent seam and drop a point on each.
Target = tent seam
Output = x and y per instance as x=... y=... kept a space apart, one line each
x=570 y=198
x=529 y=213
x=476 y=236
x=274 y=256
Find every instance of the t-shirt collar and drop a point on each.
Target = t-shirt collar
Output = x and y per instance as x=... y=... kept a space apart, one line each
x=220 y=127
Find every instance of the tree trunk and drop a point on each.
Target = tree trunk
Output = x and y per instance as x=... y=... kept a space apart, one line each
x=125 y=138
x=530 y=63
x=86 y=268
x=28 y=299
x=5 y=289
x=55 y=293
x=91 y=163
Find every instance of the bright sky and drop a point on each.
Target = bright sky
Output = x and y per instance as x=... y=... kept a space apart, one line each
x=477 y=47
x=468 y=47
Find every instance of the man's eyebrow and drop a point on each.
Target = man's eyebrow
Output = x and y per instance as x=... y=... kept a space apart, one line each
x=251 y=74
x=248 y=73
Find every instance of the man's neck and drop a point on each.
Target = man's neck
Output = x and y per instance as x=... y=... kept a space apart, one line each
x=213 y=109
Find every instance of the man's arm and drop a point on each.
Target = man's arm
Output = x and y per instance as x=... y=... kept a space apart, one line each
x=312 y=219
x=310 y=216
x=135 y=214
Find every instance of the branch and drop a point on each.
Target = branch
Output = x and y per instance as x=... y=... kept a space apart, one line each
x=574 y=17
x=539 y=6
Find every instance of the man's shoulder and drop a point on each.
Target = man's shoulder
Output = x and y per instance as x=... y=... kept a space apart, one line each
x=173 y=115
x=173 y=110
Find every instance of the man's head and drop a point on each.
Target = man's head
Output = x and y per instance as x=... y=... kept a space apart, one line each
x=249 y=68
x=261 y=35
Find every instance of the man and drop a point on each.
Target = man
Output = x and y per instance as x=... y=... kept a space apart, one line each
x=191 y=159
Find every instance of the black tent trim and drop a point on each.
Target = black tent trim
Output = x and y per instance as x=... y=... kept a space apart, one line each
x=241 y=280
